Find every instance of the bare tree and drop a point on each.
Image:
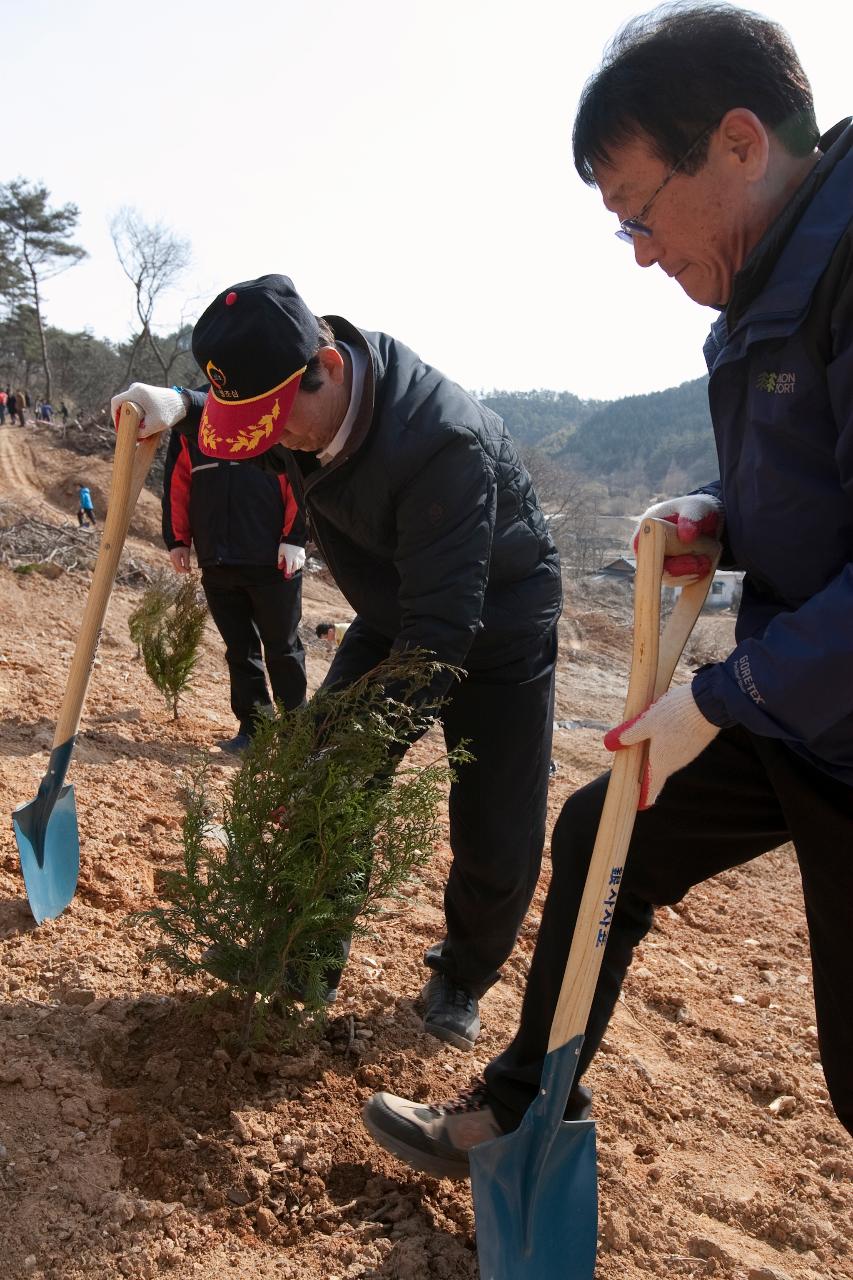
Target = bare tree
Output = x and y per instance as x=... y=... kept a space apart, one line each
x=153 y=258
x=570 y=504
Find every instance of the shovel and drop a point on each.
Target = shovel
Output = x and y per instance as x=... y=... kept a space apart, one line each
x=535 y=1192
x=46 y=828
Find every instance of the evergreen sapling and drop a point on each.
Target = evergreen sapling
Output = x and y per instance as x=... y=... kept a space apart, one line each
x=156 y=600
x=168 y=626
x=318 y=828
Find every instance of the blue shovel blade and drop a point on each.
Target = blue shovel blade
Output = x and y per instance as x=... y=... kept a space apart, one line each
x=535 y=1190
x=49 y=847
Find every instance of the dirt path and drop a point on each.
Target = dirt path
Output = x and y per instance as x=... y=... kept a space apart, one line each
x=136 y=1140
x=19 y=469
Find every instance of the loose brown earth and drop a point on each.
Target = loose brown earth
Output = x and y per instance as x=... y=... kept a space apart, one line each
x=135 y=1138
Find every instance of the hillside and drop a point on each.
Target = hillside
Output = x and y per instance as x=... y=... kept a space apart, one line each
x=137 y=1141
x=636 y=441
x=541 y=419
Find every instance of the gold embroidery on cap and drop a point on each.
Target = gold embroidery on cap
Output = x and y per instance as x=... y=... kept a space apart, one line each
x=208 y=439
x=247 y=438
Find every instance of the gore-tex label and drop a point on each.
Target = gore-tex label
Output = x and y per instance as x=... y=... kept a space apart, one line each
x=746 y=684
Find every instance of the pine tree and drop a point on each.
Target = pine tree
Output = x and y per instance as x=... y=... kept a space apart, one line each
x=156 y=600
x=317 y=829
x=35 y=239
x=168 y=626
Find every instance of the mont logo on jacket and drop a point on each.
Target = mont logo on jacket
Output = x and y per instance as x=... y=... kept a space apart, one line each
x=779 y=384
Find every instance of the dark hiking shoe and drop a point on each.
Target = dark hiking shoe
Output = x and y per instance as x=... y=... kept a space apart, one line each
x=437 y=1139
x=451 y=1013
x=235 y=746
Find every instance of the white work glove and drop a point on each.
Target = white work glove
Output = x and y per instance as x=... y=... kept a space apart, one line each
x=677 y=731
x=692 y=515
x=290 y=558
x=160 y=407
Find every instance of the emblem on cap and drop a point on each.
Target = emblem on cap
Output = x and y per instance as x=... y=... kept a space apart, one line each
x=216 y=376
x=246 y=438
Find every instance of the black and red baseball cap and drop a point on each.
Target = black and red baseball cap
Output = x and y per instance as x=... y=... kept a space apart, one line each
x=253 y=343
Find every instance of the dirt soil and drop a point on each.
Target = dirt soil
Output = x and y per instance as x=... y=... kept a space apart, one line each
x=137 y=1139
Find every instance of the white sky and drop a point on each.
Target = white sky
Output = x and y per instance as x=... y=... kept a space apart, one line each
x=407 y=162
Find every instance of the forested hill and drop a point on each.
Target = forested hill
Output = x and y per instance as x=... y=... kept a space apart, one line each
x=544 y=419
x=644 y=439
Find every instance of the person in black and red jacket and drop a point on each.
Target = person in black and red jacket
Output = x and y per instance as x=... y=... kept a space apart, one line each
x=249 y=538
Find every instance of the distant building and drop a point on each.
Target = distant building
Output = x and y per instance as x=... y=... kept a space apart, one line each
x=621 y=567
x=725 y=589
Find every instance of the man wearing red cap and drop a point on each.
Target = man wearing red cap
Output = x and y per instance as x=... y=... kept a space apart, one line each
x=426 y=518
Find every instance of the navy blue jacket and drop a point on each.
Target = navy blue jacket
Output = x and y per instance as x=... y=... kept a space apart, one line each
x=781 y=394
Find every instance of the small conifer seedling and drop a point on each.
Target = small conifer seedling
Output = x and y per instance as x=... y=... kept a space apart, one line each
x=318 y=827
x=168 y=626
x=156 y=600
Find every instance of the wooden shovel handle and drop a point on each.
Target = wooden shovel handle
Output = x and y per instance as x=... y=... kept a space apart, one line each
x=130 y=467
x=687 y=609
x=653 y=661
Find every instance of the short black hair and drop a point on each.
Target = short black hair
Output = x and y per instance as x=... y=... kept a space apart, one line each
x=323 y=628
x=312 y=378
x=671 y=73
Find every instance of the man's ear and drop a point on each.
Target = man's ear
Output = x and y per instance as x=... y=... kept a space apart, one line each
x=742 y=140
x=333 y=363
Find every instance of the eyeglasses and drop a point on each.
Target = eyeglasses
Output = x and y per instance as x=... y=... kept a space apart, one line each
x=630 y=228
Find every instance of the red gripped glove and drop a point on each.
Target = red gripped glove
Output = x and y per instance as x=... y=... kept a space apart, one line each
x=692 y=515
x=676 y=731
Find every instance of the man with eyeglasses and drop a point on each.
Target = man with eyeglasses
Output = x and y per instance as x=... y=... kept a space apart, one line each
x=699 y=132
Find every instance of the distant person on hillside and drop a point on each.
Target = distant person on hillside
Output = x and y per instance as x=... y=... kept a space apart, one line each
x=331 y=633
x=63 y=413
x=86 y=510
x=428 y=522
x=12 y=404
x=249 y=536
x=4 y=396
x=699 y=132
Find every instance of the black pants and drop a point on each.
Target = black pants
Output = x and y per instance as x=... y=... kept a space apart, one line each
x=498 y=802
x=742 y=796
x=254 y=605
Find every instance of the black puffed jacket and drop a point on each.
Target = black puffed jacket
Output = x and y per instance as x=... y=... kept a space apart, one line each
x=427 y=519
